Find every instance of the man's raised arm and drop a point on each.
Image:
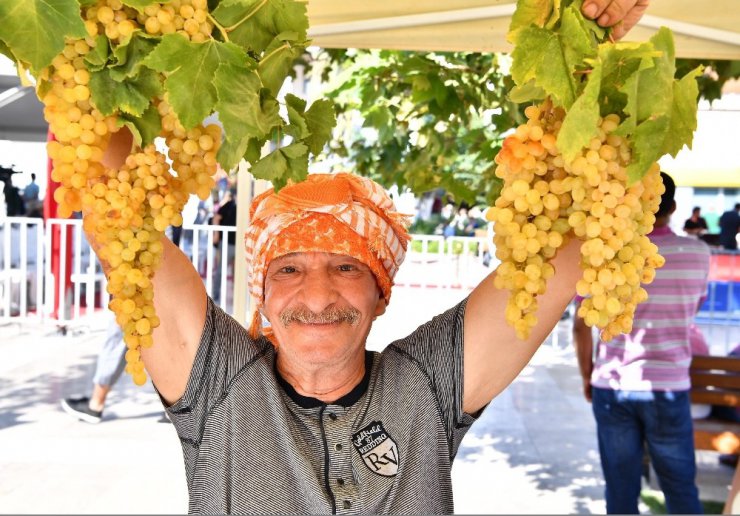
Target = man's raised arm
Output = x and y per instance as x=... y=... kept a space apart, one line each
x=493 y=355
x=179 y=299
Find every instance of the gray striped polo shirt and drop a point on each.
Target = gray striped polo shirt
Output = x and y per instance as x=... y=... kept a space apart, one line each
x=253 y=445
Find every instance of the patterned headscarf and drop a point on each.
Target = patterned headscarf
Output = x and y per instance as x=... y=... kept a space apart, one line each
x=334 y=213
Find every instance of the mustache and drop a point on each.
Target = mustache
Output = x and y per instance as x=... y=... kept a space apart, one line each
x=330 y=315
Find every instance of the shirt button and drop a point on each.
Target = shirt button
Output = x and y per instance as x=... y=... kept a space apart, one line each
x=347 y=504
x=338 y=447
x=332 y=416
x=340 y=481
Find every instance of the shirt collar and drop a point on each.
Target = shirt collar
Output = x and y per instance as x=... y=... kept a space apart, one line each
x=345 y=401
x=661 y=231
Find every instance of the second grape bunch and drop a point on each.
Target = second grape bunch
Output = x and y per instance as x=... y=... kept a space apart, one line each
x=547 y=200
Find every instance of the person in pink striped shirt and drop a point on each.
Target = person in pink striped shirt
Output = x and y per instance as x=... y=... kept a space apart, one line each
x=639 y=383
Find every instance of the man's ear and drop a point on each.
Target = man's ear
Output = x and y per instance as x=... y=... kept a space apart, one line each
x=673 y=207
x=380 y=306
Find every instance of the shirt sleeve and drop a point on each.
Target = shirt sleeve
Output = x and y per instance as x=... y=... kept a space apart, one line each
x=437 y=348
x=225 y=348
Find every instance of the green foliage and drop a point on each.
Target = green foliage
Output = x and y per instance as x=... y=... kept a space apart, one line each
x=33 y=31
x=237 y=73
x=717 y=73
x=191 y=68
x=570 y=63
x=429 y=120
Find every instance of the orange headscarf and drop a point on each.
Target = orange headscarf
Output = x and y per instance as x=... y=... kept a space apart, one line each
x=334 y=213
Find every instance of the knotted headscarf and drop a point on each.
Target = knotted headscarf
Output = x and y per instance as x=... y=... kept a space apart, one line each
x=334 y=213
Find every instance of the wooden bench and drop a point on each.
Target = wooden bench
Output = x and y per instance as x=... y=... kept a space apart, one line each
x=716 y=381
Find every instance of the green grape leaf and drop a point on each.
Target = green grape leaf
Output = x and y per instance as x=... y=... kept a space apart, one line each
x=43 y=87
x=298 y=127
x=647 y=145
x=656 y=84
x=526 y=93
x=277 y=63
x=245 y=109
x=128 y=57
x=649 y=89
x=320 y=119
x=581 y=122
x=273 y=167
x=683 y=115
x=529 y=12
x=254 y=24
x=621 y=61
x=145 y=128
x=548 y=59
x=631 y=90
x=254 y=150
x=97 y=58
x=231 y=152
x=5 y=50
x=140 y=4
x=283 y=164
x=35 y=29
x=191 y=68
x=131 y=96
x=295 y=150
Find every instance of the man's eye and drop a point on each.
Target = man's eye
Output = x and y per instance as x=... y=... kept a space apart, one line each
x=347 y=267
x=287 y=269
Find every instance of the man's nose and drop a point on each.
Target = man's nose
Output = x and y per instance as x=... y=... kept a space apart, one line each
x=318 y=290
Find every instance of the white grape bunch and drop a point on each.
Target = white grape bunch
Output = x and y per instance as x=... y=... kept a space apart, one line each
x=126 y=210
x=546 y=199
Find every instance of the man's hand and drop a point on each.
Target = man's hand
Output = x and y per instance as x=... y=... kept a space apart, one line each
x=622 y=15
x=587 y=389
x=583 y=340
x=119 y=147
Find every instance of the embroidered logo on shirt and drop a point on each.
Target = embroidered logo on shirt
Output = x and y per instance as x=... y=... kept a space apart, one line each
x=377 y=449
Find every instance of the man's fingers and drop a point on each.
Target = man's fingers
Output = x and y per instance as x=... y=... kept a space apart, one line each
x=622 y=15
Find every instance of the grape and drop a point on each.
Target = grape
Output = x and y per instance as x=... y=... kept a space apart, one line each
x=546 y=199
x=126 y=210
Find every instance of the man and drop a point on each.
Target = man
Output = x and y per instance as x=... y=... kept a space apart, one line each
x=729 y=227
x=31 y=198
x=639 y=383
x=297 y=417
x=695 y=225
x=108 y=369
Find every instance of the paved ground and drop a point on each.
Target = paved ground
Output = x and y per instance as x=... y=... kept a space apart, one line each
x=532 y=451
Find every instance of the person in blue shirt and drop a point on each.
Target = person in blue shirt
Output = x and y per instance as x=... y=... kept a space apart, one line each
x=729 y=226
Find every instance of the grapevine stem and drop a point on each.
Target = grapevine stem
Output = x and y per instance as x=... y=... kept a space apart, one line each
x=248 y=16
x=219 y=26
x=278 y=49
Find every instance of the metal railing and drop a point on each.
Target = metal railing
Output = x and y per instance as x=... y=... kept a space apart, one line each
x=21 y=267
x=48 y=271
x=29 y=289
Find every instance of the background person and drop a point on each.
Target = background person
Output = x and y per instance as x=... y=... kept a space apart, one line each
x=639 y=383
x=109 y=366
x=729 y=226
x=695 y=225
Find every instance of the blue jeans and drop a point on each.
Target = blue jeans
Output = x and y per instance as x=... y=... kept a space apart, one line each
x=625 y=421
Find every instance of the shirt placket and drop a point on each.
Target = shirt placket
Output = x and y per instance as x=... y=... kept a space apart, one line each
x=341 y=479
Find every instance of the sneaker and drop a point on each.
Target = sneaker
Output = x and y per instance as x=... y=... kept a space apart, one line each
x=80 y=408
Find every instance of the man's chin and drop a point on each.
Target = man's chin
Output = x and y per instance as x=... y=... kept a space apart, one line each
x=315 y=338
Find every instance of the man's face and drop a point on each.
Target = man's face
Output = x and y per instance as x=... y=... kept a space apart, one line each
x=321 y=305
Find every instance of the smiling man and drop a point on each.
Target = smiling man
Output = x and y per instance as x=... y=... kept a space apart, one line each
x=293 y=415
